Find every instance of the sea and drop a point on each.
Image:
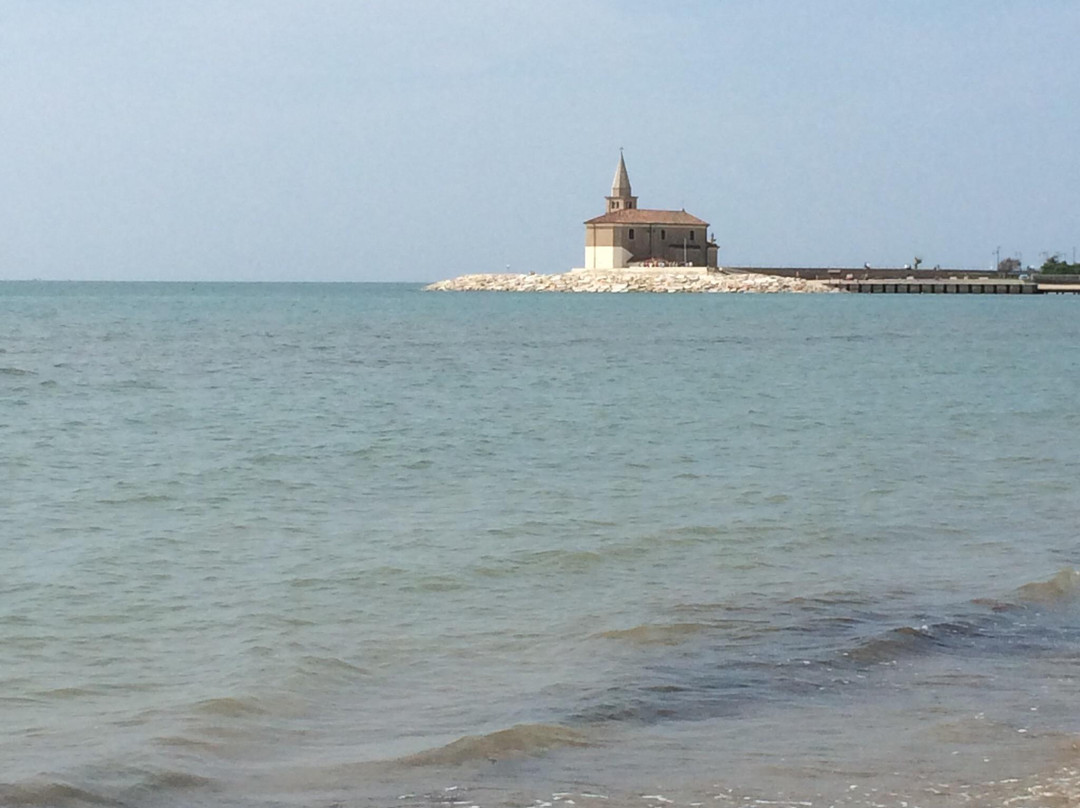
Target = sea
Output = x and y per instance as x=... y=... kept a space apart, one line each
x=364 y=545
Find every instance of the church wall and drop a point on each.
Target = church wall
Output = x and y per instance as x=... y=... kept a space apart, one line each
x=610 y=246
x=631 y=246
x=693 y=253
x=671 y=246
x=662 y=242
x=604 y=249
x=606 y=258
x=599 y=236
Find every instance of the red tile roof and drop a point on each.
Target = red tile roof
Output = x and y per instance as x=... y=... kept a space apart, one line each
x=639 y=216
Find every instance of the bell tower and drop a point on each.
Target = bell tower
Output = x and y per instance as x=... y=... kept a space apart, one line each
x=620 y=198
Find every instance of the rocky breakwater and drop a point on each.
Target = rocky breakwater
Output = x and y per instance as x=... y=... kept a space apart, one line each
x=629 y=281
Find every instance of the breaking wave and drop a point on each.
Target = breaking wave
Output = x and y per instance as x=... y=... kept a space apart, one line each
x=1062 y=589
x=51 y=794
x=909 y=641
x=522 y=740
x=57 y=794
x=812 y=645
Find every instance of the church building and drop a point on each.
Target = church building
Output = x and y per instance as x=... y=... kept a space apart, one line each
x=631 y=237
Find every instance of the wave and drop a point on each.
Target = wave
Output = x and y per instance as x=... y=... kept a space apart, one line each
x=272 y=459
x=58 y=794
x=230 y=707
x=329 y=664
x=185 y=743
x=560 y=561
x=564 y=560
x=51 y=794
x=244 y=715
x=313 y=673
x=732 y=656
x=146 y=499
x=1061 y=590
x=435 y=583
x=898 y=642
x=522 y=740
x=134 y=384
x=832 y=598
x=66 y=693
x=990 y=628
x=653 y=634
x=170 y=779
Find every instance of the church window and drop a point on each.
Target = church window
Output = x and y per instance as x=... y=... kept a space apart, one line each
x=631 y=233
x=691 y=235
x=663 y=235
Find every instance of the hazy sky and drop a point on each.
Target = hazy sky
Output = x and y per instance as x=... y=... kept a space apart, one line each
x=407 y=140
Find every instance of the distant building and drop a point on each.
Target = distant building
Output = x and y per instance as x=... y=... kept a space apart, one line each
x=629 y=237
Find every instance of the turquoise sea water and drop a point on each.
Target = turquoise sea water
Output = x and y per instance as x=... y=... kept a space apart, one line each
x=311 y=544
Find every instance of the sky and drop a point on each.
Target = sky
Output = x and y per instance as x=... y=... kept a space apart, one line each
x=412 y=140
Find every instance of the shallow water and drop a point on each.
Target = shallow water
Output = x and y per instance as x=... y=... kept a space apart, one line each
x=312 y=544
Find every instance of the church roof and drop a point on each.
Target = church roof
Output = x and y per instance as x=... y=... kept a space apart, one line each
x=645 y=216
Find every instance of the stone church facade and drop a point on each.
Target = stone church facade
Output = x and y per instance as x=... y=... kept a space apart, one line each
x=630 y=237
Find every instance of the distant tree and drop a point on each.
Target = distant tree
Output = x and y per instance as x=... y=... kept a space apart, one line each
x=918 y=261
x=1009 y=265
x=1055 y=266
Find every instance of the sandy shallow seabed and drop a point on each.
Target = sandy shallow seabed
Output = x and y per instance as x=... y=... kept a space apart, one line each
x=498 y=771
x=629 y=281
x=1055 y=789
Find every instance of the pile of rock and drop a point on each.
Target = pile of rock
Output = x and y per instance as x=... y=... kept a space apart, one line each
x=624 y=280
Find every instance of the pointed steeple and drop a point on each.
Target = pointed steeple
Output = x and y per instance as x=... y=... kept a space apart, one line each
x=621 y=198
x=620 y=186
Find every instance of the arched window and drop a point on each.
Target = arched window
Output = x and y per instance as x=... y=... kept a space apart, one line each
x=631 y=234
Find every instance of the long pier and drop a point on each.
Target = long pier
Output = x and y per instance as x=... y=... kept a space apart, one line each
x=883 y=281
x=966 y=286
x=957 y=286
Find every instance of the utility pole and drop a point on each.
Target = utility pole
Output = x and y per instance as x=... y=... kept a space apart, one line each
x=997 y=257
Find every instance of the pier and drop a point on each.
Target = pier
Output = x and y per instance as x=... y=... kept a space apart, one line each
x=953 y=286
x=957 y=286
x=904 y=281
